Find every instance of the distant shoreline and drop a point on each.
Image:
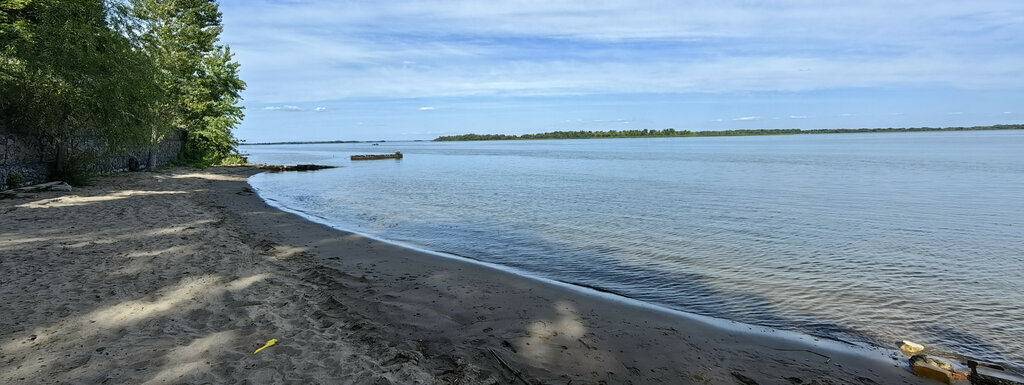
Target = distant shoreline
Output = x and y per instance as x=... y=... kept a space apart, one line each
x=666 y=133
x=672 y=133
x=318 y=142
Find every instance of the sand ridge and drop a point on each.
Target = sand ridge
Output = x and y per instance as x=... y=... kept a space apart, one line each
x=178 y=276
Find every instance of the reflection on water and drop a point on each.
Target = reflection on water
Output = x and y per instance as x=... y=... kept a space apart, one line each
x=865 y=237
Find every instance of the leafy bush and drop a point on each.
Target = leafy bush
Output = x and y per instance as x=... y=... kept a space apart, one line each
x=13 y=180
x=234 y=160
x=77 y=169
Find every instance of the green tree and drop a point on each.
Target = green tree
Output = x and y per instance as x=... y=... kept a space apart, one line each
x=67 y=75
x=198 y=75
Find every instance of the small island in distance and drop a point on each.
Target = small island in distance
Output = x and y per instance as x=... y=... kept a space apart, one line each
x=671 y=133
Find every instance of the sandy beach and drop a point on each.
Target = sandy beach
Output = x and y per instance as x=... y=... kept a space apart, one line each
x=177 y=276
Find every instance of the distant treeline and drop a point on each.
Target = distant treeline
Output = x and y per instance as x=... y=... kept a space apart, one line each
x=305 y=142
x=671 y=132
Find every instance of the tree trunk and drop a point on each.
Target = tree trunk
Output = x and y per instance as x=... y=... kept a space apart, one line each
x=151 y=163
x=60 y=159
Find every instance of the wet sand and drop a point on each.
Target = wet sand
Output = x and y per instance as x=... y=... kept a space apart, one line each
x=178 y=276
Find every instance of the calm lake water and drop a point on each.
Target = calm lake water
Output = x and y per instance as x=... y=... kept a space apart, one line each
x=870 y=238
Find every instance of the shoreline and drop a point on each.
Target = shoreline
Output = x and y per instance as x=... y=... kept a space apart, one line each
x=859 y=347
x=190 y=271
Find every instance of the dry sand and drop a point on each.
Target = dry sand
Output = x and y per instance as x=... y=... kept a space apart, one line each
x=178 y=276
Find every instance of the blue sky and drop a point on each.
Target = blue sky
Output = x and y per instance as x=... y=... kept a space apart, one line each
x=402 y=70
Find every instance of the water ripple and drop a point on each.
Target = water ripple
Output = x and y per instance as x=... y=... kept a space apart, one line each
x=871 y=238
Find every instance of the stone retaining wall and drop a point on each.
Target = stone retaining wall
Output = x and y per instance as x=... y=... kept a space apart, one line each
x=33 y=158
x=30 y=157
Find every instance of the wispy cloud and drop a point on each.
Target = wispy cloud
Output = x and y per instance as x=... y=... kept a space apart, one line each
x=407 y=48
x=545 y=62
x=320 y=109
x=744 y=118
x=586 y=122
x=426 y=108
x=955 y=113
x=798 y=117
x=283 y=108
x=1007 y=112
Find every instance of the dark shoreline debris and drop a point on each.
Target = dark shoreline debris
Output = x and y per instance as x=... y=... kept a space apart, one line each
x=298 y=167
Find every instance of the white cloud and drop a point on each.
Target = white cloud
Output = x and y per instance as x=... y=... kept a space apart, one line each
x=592 y=122
x=748 y=118
x=610 y=121
x=798 y=116
x=406 y=48
x=426 y=108
x=493 y=75
x=1007 y=112
x=320 y=109
x=283 y=108
x=619 y=20
x=955 y=113
x=717 y=120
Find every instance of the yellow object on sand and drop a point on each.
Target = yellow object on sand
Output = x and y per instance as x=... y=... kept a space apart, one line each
x=269 y=344
x=911 y=348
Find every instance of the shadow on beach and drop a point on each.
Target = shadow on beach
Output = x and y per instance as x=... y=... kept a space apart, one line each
x=178 y=276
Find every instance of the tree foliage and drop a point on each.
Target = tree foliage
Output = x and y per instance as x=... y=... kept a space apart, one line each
x=198 y=74
x=113 y=76
x=67 y=76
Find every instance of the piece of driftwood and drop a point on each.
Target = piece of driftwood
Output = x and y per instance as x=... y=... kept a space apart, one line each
x=517 y=373
x=32 y=188
x=982 y=379
x=27 y=191
x=298 y=167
